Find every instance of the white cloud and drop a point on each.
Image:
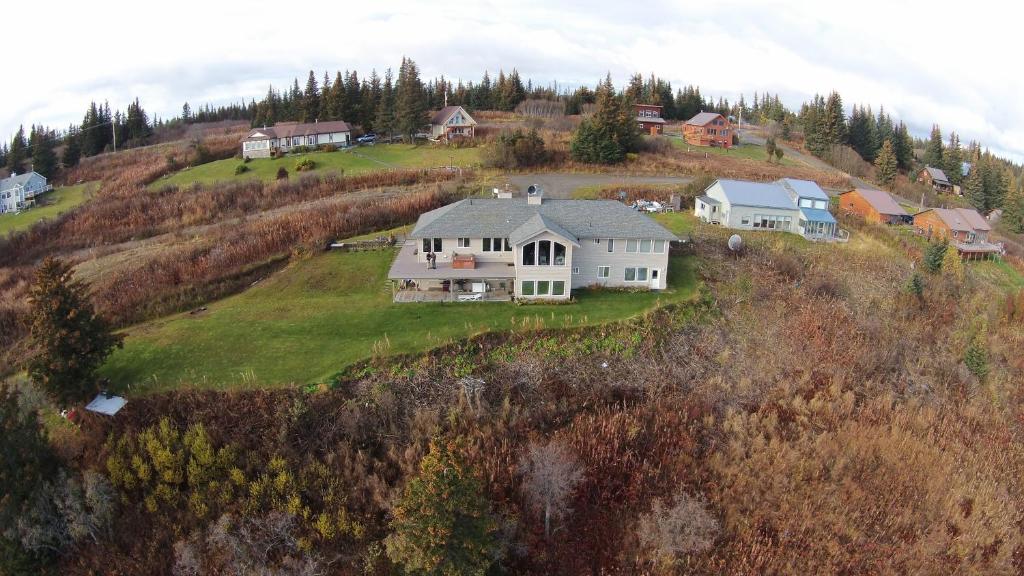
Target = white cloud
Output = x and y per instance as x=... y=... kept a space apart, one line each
x=926 y=62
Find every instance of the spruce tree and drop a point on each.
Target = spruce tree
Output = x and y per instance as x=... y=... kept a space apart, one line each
x=933 y=150
x=72 y=148
x=1013 y=209
x=338 y=105
x=885 y=165
x=310 y=99
x=44 y=159
x=442 y=524
x=410 y=100
x=974 y=188
x=18 y=152
x=952 y=160
x=71 y=340
x=385 y=118
x=934 y=255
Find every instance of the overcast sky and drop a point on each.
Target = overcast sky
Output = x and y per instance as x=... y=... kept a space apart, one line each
x=951 y=63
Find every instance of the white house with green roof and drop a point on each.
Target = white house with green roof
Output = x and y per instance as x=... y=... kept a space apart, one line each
x=529 y=248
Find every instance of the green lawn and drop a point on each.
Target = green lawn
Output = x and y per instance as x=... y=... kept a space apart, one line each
x=352 y=161
x=47 y=206
x=679 y=223
x=745 y=151
x=322 y=314
x=998 y=273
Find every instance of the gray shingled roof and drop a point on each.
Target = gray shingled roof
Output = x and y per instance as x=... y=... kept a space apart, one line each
x=535 y=225
x=702 y=118
x=292 y=129
x=442 y=115
x=937 y=174
x=503 y=218
x=18 y=180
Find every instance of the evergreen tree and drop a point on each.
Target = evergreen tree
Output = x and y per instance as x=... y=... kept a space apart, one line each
x=186 y=113
x=353 y=97
x=442 y=524
x=934 y=255
x=410 y=100
x=834 y=121
x=338 y=106
x=885 y=164
x=952 y=160
x=974 y=188
x=370 y=95
x=44 y=159
x=18 y=152
x=933 y=150
x=610 y=133
x=953 y=265
x=310 y=99
x=1013 y=209
x=903 y=147
x=136 y=125
x=72 y=148
x=385 y=119
x=72 y=342
x=976 y=353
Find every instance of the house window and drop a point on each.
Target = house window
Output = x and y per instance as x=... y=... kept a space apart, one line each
x=806 y=203
x=496 y=244
x=429 y=243
x=508 y=245
x=527 y=288
x=745 y=221
x=636 y=275
x=659 y=246
x=487 y=245
x=611 y=245
x=463 y=242
x=542 y=287
x=632 y=246
x=544 y=253
x=558 y=288
x=597 y=240
x=641 y=274
x=630 y=275
x=603 y=271
x=645 y=246
x=559 y=254
x=576 y=270
x=530 y=254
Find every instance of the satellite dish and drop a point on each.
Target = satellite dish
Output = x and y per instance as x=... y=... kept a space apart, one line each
x=533 y=189
x=735 y=243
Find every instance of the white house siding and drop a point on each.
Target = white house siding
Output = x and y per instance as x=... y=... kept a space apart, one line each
x=549 y=273
x=450 y=246
x=734 y=215
x=256 y=148
x=590 y=255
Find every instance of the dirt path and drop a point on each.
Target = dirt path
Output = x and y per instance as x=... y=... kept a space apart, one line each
x=560 y=185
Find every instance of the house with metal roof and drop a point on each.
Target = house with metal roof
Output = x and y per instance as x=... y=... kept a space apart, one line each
x=874 y=206
x=788 y=205
x=935 y=178
x=284 y=136
x=708 y=129
x=648 y=118
x=452 y=122
x=19 y=191
x=529 y=248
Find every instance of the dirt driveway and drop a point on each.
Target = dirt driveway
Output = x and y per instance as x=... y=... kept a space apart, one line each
x=558 y=185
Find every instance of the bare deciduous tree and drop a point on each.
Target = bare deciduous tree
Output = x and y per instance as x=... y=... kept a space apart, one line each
x=551 y=474
x=668 y=533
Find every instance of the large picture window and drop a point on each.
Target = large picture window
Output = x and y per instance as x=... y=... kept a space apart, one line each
x=527 y=288
x=558 y=288
x=431 y=244
x=487 y=245
x=542 y=287
x=659 y=246
x=544 y=253
x=632 y=246
x=530 y=254
x=635 y=275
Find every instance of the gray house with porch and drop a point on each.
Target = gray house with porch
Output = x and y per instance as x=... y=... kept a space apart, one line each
x=788 y=205
x=19 y=191
x=529 y=248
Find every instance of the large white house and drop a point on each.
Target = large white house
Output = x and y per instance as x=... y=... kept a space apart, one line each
x=452 y=121
x=529 y=248
x=283 y=136
x=20 y=190
x=789 y=205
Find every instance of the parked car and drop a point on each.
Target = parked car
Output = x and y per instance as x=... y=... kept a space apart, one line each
x=369 y=138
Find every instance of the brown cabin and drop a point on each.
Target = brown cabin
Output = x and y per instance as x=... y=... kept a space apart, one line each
x=874 y=206
x=965 y=229
x=648 y=117
x=935 y=178
x=708 y=129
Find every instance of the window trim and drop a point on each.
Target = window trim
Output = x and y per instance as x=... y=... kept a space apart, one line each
x=607 y=272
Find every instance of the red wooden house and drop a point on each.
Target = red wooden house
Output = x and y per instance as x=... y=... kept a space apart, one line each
x=648 y=116
x=708 y=129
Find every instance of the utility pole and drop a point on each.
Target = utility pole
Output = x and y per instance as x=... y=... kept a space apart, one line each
x=113 y=130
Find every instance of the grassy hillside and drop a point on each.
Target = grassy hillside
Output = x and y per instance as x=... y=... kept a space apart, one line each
x=743 y=151
x=49 y=205
x=322 y=314
x=352 y=161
